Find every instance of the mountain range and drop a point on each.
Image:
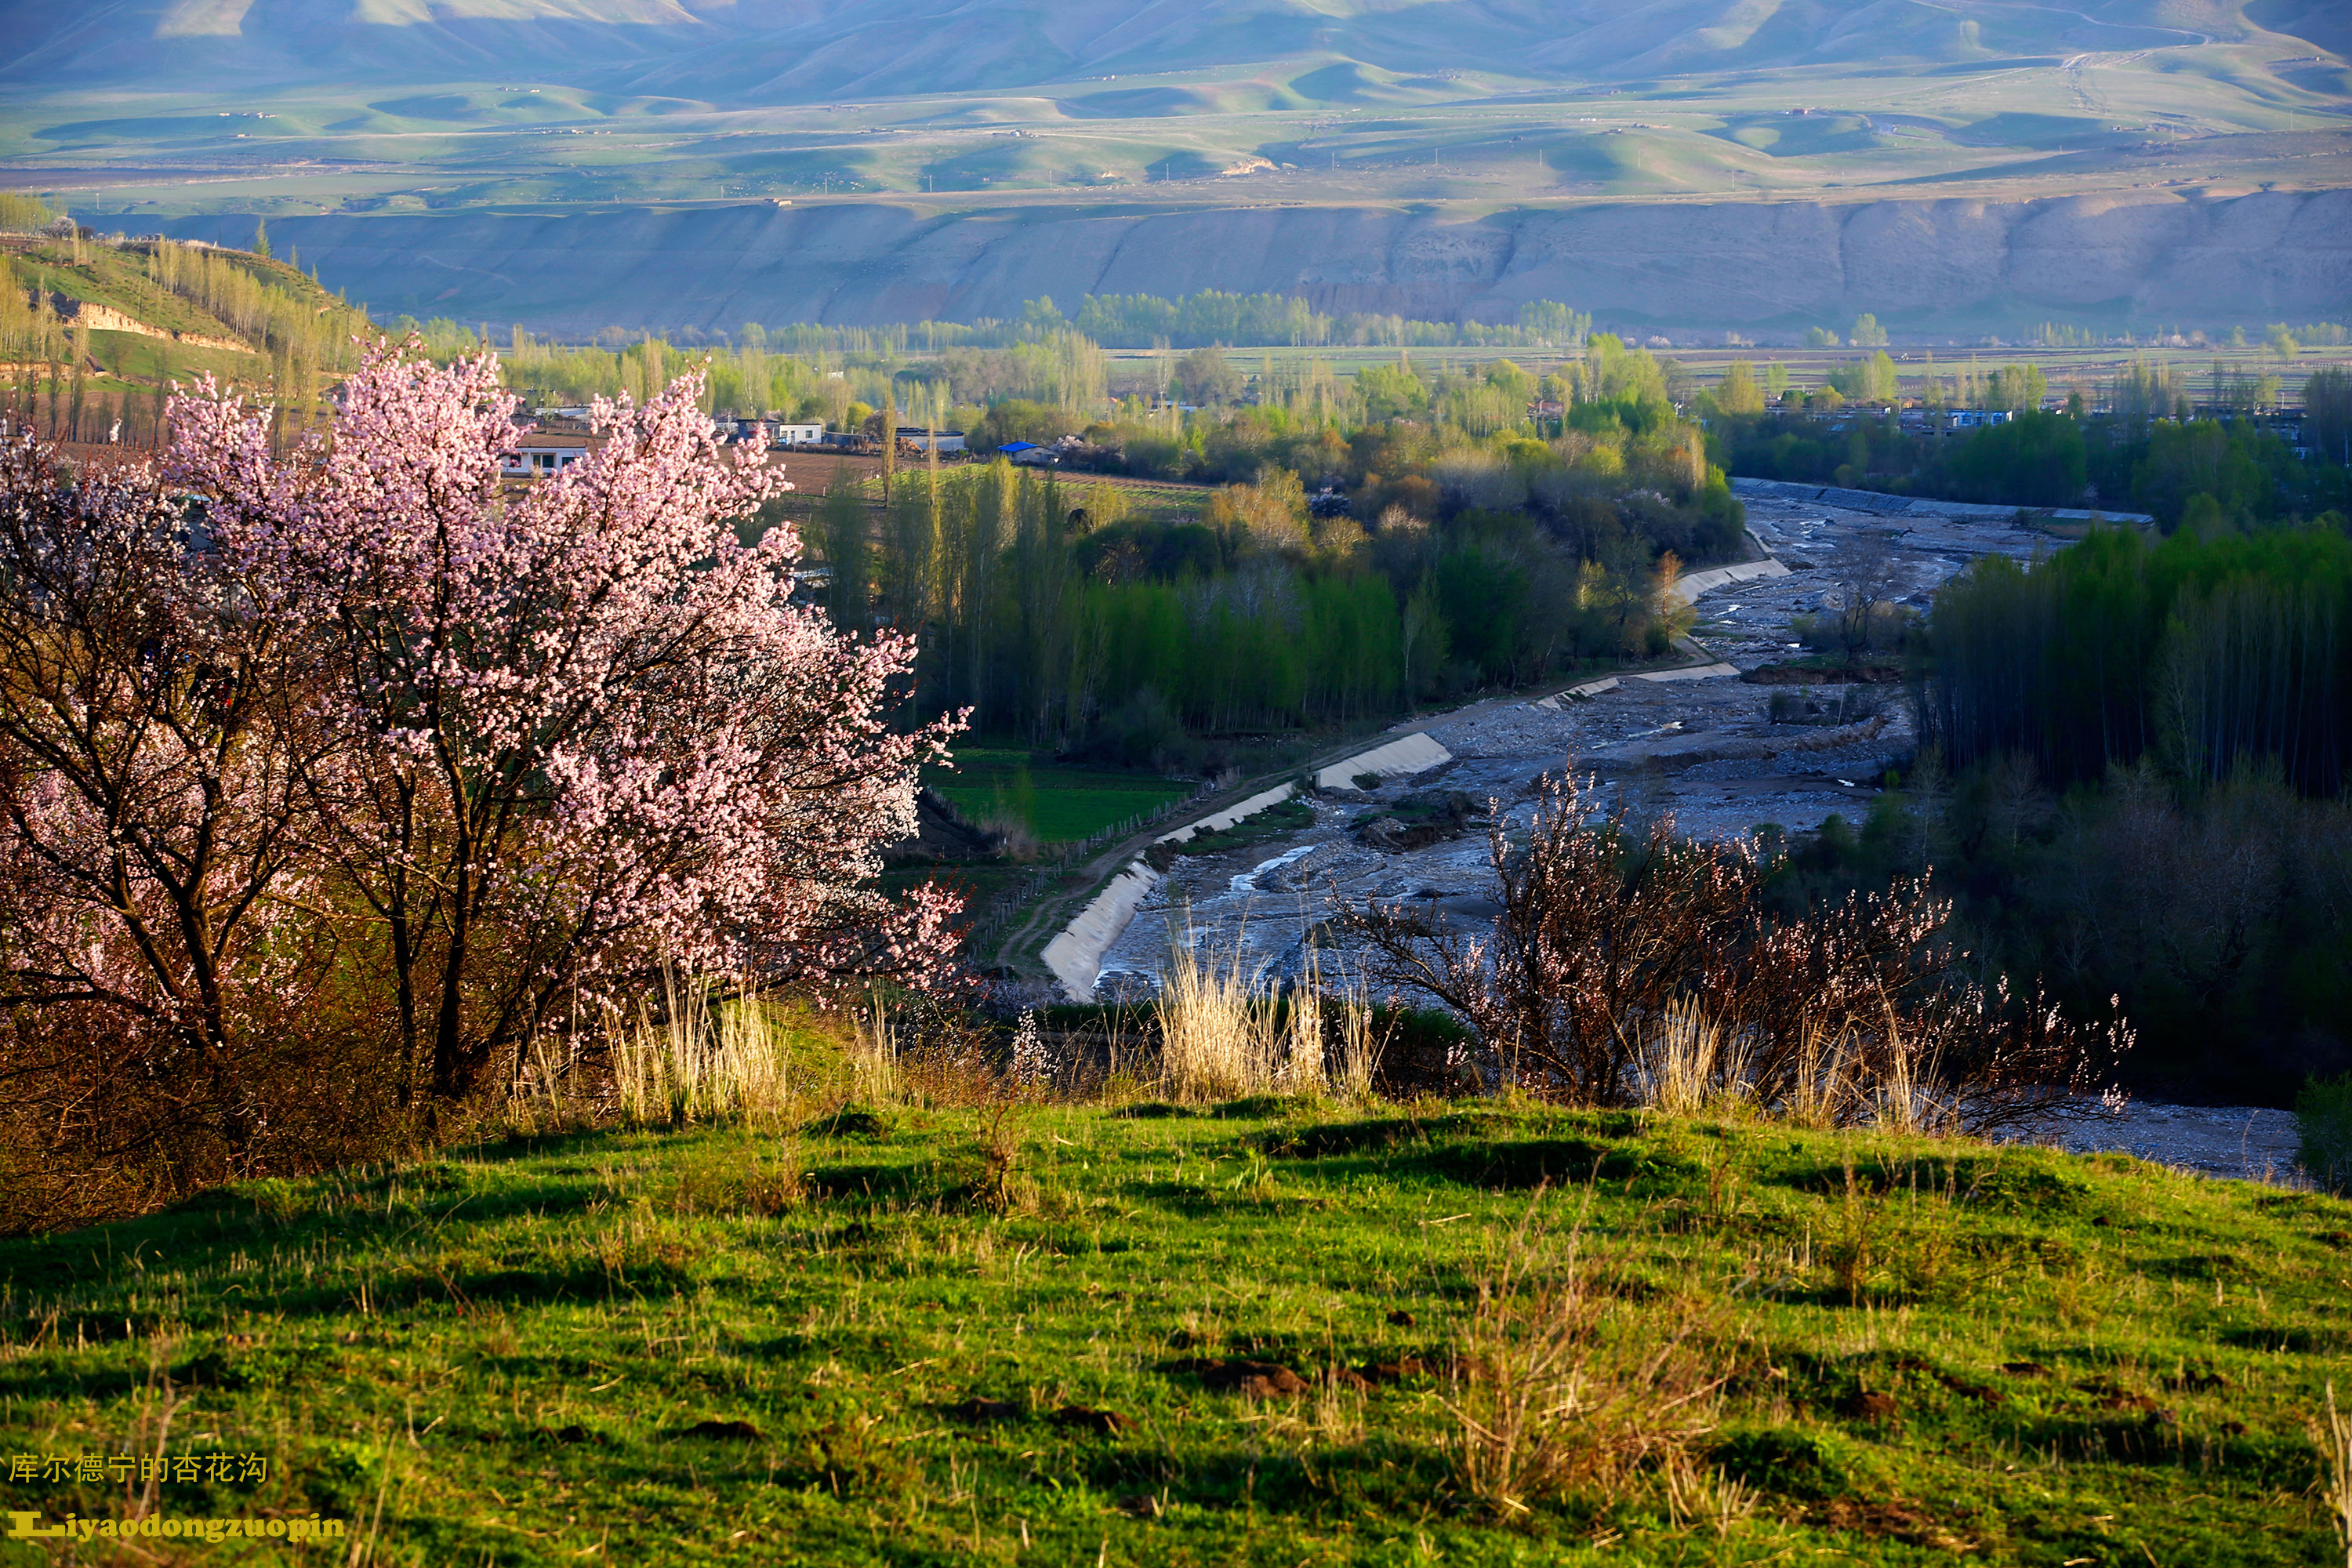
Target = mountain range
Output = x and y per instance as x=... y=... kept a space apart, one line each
x=781 y=51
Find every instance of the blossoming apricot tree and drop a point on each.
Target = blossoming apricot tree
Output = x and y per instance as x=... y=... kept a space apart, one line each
x=490 y=746
x=576 y=730
x=149 y=799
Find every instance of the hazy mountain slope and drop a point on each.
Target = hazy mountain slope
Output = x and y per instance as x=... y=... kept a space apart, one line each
x=772 y=50
x=1922 y=264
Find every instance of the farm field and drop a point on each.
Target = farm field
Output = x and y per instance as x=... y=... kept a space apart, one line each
x=1058 y=804
x=1254 y=1332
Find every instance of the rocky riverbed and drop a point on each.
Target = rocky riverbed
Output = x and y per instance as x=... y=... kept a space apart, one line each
x=1710 y=751
x=1723 y=756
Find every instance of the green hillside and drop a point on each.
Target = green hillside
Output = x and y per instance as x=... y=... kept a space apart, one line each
x=768 y=51
x=552 y=119
x=1267 y=1332
x=95 y=331
x=118 y=279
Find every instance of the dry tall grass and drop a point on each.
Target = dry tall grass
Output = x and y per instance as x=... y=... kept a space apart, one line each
x=1226 y=1032
x=874 y=1055
x=2334 y=1440
x=1358 y=1058
x=1219 y=1037
x=1690 y=1064
x=707 y=1056
x=1816 y=1095
x=1565 y=1385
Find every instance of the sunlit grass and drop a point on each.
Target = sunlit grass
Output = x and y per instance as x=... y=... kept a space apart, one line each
x=1926 y=1346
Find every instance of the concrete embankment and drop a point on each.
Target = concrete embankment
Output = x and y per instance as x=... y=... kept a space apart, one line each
x=1075 y=955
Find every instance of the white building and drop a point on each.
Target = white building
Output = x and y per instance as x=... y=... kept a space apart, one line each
x=796 y=435
x=917 y=436
x=537 y=455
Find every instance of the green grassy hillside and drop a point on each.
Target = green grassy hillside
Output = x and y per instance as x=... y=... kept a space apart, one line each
x=230 y=314
x=102 y=274
x=1248 y=1334
x=776 y=50
x=554 y=119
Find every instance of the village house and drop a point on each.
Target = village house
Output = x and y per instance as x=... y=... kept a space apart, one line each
x=542 y=454
x=921 y=438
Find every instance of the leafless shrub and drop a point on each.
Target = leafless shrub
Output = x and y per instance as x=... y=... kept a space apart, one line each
x=1564 y=1384
x=912 y=1048
x=1000 y=1188
x=1012 y=837
x=1607 y=928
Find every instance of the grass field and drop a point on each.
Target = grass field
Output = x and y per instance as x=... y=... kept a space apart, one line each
x=1058 y=804
x=1245 y=1333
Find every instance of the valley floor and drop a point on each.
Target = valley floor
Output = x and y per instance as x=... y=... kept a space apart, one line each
x=1706 y=751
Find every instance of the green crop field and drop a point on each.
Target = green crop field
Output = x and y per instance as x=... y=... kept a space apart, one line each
x=1059 y=805
x=1256 y=1332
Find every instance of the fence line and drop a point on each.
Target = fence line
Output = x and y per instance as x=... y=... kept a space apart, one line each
x=1009 y=902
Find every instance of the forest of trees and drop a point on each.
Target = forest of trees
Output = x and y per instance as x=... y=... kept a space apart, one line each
x=1196 y=320
x=1465 y=560
x=309 y=337
x=2211 y=655
x=2132 y=777
x=2216 y=919
x=22 y=214
x=2151 y=451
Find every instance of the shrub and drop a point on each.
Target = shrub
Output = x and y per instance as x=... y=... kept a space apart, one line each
x=1607 y=934
x=376 y=779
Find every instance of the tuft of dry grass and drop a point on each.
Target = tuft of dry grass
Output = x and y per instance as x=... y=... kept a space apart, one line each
x=1358 y=1061
x=1817 y=1090
x=1219 y=1038
x=1564 y=1384
x=1703 y=1496
x=2333 y=1437
x=1224 y=1032
x=874 y=1063
x=1688 y=1064
x=707 y=1056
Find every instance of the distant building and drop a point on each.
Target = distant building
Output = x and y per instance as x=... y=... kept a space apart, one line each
x=918 y=436
x=538 y=456
x=795 y=434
